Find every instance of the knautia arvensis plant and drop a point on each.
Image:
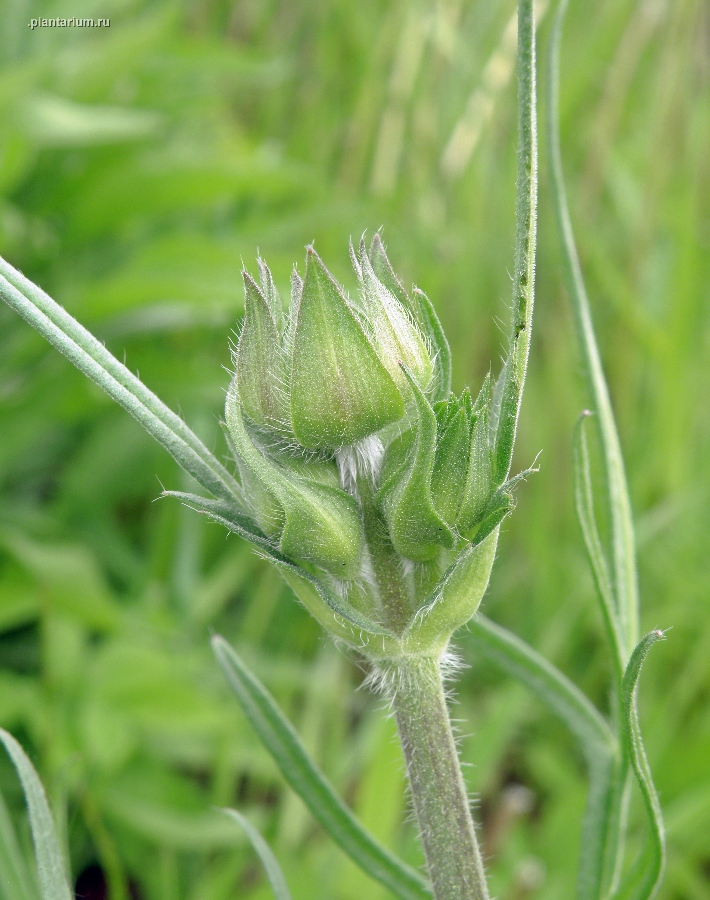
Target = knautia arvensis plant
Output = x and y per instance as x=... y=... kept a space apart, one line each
x=379 y=494
x=378 y=491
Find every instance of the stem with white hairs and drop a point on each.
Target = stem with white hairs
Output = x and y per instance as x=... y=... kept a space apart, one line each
x=438 y=790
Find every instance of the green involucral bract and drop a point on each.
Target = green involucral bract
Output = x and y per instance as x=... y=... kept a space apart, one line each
x=357 y=464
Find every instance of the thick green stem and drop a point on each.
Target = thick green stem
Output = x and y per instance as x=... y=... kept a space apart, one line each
x=438 y=790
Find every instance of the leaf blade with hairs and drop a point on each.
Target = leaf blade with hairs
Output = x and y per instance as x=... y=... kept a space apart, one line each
x=300 y=772
x=645 y=878
x=553 y=688
x=90 y=356
x=509 y=389
x=584 y=503
x=622 y=529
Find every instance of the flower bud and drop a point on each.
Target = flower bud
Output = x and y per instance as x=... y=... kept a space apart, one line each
x=314 y=521
x=259 y=361
x=340 y=390
x=422 y=312
x=394 y=331
x=355 y=458
x=416 y=529
x=448 y=476
x=478 y=487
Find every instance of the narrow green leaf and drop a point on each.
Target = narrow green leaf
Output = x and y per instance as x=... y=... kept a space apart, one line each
x=554 y=689
x=584 y=502
x=508 y=396
x=596 y=740
x=226 y=514
x=50 y=865
x=268 y=860
x=91 y=357
x=622 y=530
x=645 y=878
x=15 y=880
x=308 y=782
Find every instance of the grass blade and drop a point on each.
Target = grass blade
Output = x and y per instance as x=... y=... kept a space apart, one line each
x=93 y=359
x=50 y=865
x=622 y=529
x=509 y=389
x=268 y=860
x=645 y=878
x=308 y=782
x=584 y=503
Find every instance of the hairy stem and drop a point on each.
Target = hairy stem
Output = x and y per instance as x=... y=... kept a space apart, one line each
x=438 y=790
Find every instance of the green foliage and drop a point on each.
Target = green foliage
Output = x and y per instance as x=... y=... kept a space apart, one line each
x=268 y=860
x=50 y=865
x=271 y=126
x=299 y=771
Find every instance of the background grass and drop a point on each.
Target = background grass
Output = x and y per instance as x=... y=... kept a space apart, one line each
x=139 y=165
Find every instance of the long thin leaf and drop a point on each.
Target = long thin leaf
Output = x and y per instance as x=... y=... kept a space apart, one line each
x=595 y=738
x=509 y=388
x=554 y=689
x=268 y=860
x=622 y=530
x=284 y=745
x=584 y=502
x=50 y=865
x=91 y=357
x=15 y=880
x=646 y=877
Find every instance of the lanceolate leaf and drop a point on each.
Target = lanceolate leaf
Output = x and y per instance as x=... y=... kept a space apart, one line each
x=268 y=860
x=644 y=880
x=622 y=529
x=584 y=502
x=91 y=357
x=595 y=738
x=308 y=782
x=50 y=865
x=553 y=688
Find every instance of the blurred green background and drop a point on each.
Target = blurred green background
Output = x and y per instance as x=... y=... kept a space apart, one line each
x=139 y=165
